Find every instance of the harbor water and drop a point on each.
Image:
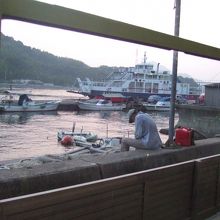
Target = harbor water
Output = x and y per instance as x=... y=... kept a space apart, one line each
x=24 y=135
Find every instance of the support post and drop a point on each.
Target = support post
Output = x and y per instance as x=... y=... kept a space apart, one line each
x=174 y=75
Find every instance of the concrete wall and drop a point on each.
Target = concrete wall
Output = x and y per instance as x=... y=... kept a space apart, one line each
x=212 y=96
x=205 y=119
x=85 y=168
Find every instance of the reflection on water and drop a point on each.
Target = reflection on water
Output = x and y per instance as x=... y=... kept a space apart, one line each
x=21 y=117
x=115 y=124
x=98 y=114
x=104 y=123
x=34 y=134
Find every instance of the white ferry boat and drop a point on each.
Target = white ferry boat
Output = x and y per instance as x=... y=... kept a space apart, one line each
x=141 y=81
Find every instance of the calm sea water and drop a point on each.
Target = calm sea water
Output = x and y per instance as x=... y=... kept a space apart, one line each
x=33 y=134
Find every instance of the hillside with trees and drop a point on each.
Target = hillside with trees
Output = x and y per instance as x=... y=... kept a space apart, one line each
x=20 y=62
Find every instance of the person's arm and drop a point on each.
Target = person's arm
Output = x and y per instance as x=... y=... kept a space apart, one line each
x=138 y=128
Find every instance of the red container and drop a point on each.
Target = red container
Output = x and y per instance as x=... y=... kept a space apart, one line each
x=184 y=136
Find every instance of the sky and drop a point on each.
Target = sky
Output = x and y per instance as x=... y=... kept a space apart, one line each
x=199 y=22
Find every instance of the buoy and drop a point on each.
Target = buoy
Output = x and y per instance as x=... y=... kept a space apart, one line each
x=67 y=140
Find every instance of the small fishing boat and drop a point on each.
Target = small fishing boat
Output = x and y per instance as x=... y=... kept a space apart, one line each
x=78 y=136
x=115 y=97
x=25 y=104
x=162 y=105
x=87 y=142
x=152 y=107
x=100 y=105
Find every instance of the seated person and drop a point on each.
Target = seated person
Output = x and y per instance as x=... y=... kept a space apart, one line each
x=24 y=99
x=146 y=133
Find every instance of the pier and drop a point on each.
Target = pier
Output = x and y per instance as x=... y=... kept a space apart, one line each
x=182 y=183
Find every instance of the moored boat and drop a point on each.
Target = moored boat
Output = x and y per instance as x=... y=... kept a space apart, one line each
x=115 y=97
x=78 y=136
x=141 y=81
x=100 y=105
x=24 y=104
x=154 y=107
x=162 y=105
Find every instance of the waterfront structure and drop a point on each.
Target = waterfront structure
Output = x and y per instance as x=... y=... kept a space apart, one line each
x=212 y=92
x=204 y=117
x=141 y=81
x=203 y=202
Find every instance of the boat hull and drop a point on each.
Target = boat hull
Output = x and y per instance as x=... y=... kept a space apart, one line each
x=94 y=107
x=139 y=95
x=39 y=107
x=152 y=107
x=139 y=82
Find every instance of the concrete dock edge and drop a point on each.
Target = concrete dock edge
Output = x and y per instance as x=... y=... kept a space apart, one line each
x=86 y=168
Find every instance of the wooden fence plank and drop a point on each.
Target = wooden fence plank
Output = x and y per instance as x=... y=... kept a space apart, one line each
x=175 y=192
x=218 y=188
x=205 y=187
x=39 y=200
x=168 y=193
x=96 y=202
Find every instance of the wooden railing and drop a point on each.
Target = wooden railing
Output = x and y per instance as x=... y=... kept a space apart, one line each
x=183 y=191
x=188 y=190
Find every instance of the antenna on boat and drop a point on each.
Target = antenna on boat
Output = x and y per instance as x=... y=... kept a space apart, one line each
x=74 y=125
x=136 y=60
x=107 y=130
x=158 y=66
x=145 y=57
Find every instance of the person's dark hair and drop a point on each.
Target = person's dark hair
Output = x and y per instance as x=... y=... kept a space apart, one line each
x=136 y=110
x=133 y=115
x=140 y=108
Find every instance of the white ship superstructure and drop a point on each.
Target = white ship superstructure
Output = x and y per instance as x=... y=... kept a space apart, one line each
x=141 y=81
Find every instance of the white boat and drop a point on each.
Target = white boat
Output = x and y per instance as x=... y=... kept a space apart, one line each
x=24 y=104
x=141 y=81
x=89 y=141
x=100 y=105
x=78 y=136
x=154 y=107
x=115 y=97
x=162 y=105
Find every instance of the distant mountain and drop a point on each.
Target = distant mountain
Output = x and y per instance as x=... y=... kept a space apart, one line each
x=18 y=62
x=189 y=80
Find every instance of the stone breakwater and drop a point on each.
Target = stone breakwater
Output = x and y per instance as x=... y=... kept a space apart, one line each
x=202 y=118
x=50 y=172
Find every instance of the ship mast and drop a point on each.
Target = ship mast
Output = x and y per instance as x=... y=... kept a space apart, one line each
x=145 y=57
x=177 y=6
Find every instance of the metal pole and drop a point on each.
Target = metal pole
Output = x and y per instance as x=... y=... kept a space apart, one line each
x=0 y=26
x=174 y=74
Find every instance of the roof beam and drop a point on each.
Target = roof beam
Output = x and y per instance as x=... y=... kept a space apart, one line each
x=70 y=19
